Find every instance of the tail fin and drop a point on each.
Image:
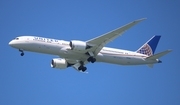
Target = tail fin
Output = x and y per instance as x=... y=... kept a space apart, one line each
x=150 y=46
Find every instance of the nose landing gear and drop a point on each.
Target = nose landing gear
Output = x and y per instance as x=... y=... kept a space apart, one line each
x=22 y=52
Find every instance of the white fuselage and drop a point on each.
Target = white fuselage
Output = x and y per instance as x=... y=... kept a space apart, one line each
x=62 y=49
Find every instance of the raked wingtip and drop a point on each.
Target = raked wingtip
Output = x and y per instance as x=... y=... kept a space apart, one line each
x=141 y=19
x=169 y=50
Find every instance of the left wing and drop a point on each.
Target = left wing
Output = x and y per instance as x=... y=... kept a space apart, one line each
x=99 y=42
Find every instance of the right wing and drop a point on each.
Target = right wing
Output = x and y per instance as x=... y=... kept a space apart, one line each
x=99 y=42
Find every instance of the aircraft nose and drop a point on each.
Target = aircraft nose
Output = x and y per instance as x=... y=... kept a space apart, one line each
x=16 y=44
x=12 y=43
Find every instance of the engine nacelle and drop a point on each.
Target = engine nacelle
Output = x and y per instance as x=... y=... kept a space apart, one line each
x=78 y=45
x=59 y=63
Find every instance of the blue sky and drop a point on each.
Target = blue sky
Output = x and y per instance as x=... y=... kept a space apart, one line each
x=29 y=80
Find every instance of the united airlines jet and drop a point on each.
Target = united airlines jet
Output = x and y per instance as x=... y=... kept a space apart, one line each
x=77 y=54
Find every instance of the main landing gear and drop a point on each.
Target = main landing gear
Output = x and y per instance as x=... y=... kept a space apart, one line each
x=81 y=67
x=91 y=59
x=22 y=52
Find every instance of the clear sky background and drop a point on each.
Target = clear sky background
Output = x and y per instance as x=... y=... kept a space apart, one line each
x=29 y=80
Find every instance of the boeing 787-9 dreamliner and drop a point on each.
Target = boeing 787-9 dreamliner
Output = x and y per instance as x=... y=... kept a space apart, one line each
x=77 y=54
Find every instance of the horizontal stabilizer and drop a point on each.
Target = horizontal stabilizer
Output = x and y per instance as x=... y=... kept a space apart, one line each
x=156 y=56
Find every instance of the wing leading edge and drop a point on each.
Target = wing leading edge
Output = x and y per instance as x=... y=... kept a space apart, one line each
x=99 y=42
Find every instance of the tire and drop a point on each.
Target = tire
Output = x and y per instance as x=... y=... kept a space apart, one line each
x=93 y=60
x=84 y=69
x=22 y=54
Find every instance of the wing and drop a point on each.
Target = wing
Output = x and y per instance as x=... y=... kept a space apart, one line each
x=75 y=63
x=99 y=42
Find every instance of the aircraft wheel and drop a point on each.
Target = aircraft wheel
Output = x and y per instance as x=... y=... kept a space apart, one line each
x=80 y=67
x=84 y=69
x=22 y=54
x=93 y=60
x=90 y=59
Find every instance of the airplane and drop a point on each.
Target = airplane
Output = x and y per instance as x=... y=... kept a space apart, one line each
x=77 y=54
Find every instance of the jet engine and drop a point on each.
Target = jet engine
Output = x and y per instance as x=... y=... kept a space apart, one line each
x=59 y=63
x=78 y=45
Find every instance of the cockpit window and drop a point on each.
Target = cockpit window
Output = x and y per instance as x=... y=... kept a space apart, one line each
x=16 y=38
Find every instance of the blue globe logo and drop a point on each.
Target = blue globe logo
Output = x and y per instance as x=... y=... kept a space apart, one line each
x=146 y=49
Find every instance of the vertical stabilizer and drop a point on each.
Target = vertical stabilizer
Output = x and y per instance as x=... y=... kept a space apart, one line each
x=150 y=46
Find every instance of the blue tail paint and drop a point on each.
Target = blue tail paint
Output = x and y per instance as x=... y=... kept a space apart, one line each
x=150 y=46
